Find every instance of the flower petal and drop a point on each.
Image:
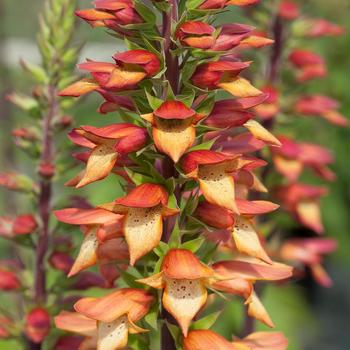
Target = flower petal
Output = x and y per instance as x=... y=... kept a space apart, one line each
x=79 y=88
x=174 y=137
x=113 y=335
x=183 y=299
x=260 y=133
x=154 y=281
x=239 y=87
x=265 y=341
x=143 y=229
x=255 y=207
x=128 y=301
x=206 y=340
x=218 y=186
x=76 y=323
x=257 y=310
x=309 y=213
x=183 y=264
x=101 y=162
x=87 y=255
x=247 y=240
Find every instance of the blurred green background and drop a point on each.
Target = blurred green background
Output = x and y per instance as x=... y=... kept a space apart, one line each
x=313 y=318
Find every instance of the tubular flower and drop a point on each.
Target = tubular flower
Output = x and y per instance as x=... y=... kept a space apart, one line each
x=224 y=75
x=233 y=112
x=17 y=226
x=183 y=278
x=270 y=107
x=303 y=202
x=238 y=277
x=241 y=226
x=196 y=34
x=77 y=323
x=213 y=170
x=94 y=223
x=111 y=14
x=9 y=280
x=131 y=67
x=309 y=252
x=107 y=143
x=292 y=157
x=309 y=65
x=219 y=4
x=114 y=316
x=320 y=27
x=289 y=10
x=323 y=106
x=173 y=128
x=209 y=340
x=144 y=209
x=37 y=325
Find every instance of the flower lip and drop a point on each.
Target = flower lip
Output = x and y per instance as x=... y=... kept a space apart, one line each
x=174 y=110
x=127 y=301
x=144 y=196
x=112 y=5
x=183 y=264
x=226 y=66
x=191 y=161
x=113 y=131
x=197 y=28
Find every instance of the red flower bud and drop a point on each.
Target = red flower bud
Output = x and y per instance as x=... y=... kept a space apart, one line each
x=24 y=224
x=8 y=280
x=289 y=10
x=37 y=324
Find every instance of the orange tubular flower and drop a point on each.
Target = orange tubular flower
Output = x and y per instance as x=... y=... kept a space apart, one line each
x=114 y=316
x=309 y=252
x=95 y=222
x=224 y=75
x=111 y=14
x=209 y=340
x=37 y=325
x=107 y=143
x=323 y=106
x=241 y=226
x=309 y=64
x=289 y=10
x=131 y=68
x=144 y=209
x=238 y=277
x=213 y=172
x=183 y=278
x=173 y=128
x=292 y=157
x=233 y=112
x=320 y=27
x=303 y=202
x=219 y=4
x=196 y=34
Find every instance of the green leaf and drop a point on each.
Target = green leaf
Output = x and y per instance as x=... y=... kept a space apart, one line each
x=153 y=101
x=175 y=333
x=187 y=97
x=194 y=244
x=161 y=249
x=138 y=179
x=203 y=146
x=37 y=72
x=175 y=238
x=206 y=106
x=152 y=317
x=193 y=4
x=206 y=322
x=145 y=12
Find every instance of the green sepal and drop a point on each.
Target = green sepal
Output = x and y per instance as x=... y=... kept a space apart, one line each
x=206 y=322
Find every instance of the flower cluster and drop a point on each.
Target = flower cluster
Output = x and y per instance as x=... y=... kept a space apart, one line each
x=184 y=157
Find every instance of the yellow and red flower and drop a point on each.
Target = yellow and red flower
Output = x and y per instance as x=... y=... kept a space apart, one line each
x=173 y=128
x=111 y=14
x=224 y=75
x=144 y=209
x=184 y=279
x=303 y=202
x=107 y=144
x=219 y=4
x=323 y=106
x=309 y=65
x=131 y=67
x=107 y=321
x=320 y=27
